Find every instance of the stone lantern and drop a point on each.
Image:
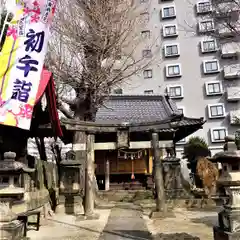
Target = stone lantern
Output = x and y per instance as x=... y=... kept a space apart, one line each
x=70 y=182
x=172 y=177
x=10 y=191
x=229 y=217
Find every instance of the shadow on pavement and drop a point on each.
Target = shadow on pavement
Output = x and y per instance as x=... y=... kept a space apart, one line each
x=131 y=235
x=175 y=236
x=210 y=221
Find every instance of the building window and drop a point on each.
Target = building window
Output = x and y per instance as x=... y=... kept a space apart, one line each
x=147 y=73
x=211 y=66
x=206 y=26
x=148 y=92
x=209 y=46
x=173 y=70
x=146 y=53
x=144 y=17
x=213 y=88
x=146 y=34
x=204 y=7
x=168 y=12
x=175 y=91
x=218 y=134
x=216 y=110
x=171 y=50
x=170 y=30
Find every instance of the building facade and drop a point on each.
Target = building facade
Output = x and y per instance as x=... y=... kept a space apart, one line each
x=196 y=69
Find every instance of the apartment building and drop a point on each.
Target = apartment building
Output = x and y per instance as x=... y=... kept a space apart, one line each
x=198 y=72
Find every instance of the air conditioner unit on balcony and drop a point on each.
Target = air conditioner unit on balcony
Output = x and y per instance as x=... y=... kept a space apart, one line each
x=230 y=50
x=233 y=94
x=231 y=71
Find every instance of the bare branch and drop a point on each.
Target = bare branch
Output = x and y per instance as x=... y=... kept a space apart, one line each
x=64 y=110
x=97 y=45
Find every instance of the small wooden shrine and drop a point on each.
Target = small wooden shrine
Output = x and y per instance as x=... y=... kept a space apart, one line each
x=122 y=137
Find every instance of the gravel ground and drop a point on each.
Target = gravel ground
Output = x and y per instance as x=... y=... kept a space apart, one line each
x=195 y=223
x=65 y=227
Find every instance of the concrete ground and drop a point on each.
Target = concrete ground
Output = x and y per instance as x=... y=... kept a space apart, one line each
x=66 y=227
x=195 y=223
x=127 y=221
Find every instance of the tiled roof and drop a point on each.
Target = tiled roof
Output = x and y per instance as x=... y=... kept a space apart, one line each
x=137 y=108
x=187 y=122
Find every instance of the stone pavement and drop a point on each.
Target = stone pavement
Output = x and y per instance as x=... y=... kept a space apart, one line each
x=125 y=223
x=67 y=227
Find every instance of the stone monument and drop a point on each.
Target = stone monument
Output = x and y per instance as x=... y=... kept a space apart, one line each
x=11 y=190
x=172 y=177
x=229 y=217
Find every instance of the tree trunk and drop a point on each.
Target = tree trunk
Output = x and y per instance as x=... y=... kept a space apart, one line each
x=79 y=147
x=158 y=177
x=87 y=170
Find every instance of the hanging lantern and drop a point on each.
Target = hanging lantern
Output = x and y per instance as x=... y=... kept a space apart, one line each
x=132 y=177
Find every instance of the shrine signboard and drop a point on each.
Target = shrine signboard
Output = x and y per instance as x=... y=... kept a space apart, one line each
x=22 y=59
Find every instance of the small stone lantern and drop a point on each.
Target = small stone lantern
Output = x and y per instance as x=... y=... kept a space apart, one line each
x=172 y=177
x=70 y=174
x=70 y=184
x=229 y=217
x=10 y=190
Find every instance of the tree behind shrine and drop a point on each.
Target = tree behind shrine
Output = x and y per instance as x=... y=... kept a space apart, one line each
x=95 y=48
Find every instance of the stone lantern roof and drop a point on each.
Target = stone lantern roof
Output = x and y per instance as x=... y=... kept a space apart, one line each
x=9 y=165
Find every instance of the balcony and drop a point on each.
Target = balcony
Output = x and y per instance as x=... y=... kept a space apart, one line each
x=231 y=71
x=233 y=94
x=234 y=117
x=230 y=50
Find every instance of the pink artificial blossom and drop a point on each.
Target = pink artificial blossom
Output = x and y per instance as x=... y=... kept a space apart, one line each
x=35 y=18
x=37 y=11
x=26 y=11
x=26 y=111
x=35 y=3
x=12 y=32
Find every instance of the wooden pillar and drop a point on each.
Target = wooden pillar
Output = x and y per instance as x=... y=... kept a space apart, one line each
x=89 y=198
x=107 y=174
x=158 y=177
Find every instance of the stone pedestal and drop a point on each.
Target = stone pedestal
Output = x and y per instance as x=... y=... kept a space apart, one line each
x=10 y=227
x=229 y=217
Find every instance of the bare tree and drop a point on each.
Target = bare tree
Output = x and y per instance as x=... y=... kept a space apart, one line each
x=96 y=46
